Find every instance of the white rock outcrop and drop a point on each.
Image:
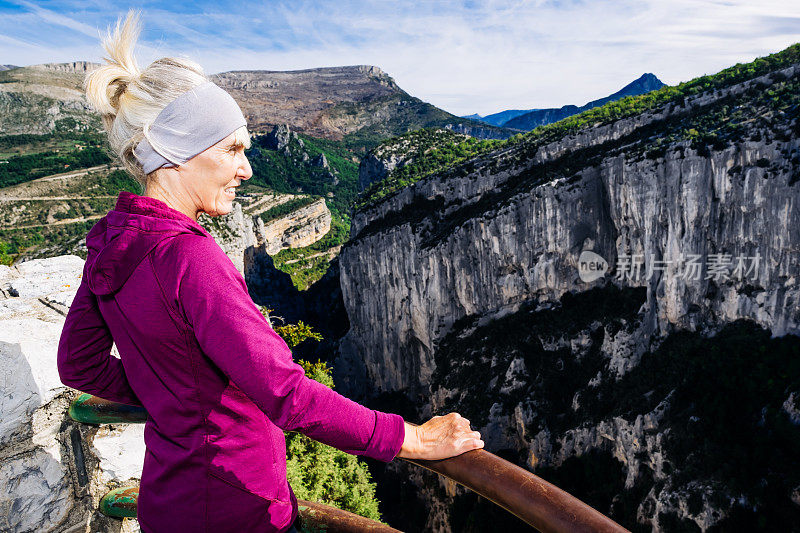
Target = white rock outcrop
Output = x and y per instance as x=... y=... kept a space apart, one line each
x=46 y=483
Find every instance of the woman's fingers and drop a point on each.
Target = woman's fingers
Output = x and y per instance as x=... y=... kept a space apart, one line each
x=471 y=444
x=464 y=438
x=472 y=436
x=468 y=445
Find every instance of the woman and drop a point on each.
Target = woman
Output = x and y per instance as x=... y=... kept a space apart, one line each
x=219 y=385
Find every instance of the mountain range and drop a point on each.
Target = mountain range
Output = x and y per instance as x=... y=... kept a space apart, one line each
x=359 y=103
x=527 y=119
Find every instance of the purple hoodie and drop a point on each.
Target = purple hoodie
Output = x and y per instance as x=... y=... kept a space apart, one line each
x=219 y=385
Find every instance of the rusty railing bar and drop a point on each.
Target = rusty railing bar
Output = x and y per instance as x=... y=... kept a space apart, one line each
x=319 y=517
x=539 y=503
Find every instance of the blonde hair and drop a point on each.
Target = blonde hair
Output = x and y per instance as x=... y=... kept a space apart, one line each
x=129 y=99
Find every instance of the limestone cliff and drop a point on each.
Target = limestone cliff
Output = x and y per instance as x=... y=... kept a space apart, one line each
x=302 y=227
x=466 y=291
x=243 y=234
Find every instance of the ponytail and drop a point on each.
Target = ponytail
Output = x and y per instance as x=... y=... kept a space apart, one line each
x=129 y=99
x=105 y=85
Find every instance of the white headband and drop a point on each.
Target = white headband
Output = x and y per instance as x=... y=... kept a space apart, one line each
x=190 y=124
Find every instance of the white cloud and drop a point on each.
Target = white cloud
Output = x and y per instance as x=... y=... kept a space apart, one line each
x=59 y=19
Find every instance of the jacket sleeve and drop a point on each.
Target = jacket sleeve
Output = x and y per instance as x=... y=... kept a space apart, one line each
x=233 y=333
x=84 y=352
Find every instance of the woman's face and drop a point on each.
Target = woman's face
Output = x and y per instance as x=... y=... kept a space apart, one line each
x=208 y=176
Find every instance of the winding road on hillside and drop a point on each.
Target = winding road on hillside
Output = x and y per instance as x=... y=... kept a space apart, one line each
x=22 y=198
x=39 y=185
x=56 y=223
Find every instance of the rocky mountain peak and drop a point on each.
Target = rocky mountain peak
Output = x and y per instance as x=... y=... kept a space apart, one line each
x=279 y=138
x=645 y=83
x=73 y=66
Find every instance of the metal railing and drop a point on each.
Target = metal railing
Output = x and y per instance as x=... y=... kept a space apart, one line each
x=316 y=517
x=539 y=503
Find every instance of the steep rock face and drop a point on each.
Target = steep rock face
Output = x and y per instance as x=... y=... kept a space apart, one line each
x=463 y=252
x=243 y=233
x=374 y=168
x=480 y=132
x=482 y=242
x=279 y=137
x=302 y=227
x=686 y=204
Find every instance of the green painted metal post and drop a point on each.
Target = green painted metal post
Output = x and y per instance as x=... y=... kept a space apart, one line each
x=93 y=410
x=120 y=503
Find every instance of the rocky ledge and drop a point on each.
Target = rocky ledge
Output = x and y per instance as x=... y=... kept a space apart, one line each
x=53 y=470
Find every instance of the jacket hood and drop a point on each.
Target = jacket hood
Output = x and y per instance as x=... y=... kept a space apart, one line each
x=123 y=238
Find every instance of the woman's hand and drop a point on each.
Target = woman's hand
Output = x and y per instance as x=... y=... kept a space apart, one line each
x=439 y=438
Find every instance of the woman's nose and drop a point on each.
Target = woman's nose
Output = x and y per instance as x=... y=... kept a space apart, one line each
x=248 y=170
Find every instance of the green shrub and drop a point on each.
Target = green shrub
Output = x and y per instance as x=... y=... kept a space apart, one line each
x=306 y=265
x=5 y=253
x=294 y=334
x=316 y=471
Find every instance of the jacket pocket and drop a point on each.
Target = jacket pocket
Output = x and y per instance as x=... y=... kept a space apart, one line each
x=234 y=509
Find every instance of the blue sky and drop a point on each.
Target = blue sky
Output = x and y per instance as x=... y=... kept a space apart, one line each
x=463 y=56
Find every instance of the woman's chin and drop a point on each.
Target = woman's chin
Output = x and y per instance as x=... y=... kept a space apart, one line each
x=223 y=208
